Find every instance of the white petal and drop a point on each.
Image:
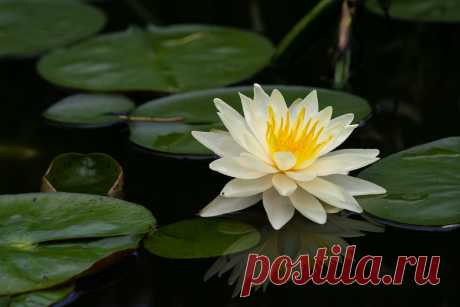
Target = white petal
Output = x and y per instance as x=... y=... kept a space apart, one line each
x=238 y=128
x=221 y=205
x=246 y=103
x=260 y=96
x=343 y=161
x=295 y=107
x=324 y=116
x=232 y=120
x=284 y=160
x=231 y=167
x=247 y=187
x=284 y=185
x=308 y=206
x=331 y=209
x=301 y=175
x=279 y=209
x=221 y=144
x=339 y=139
x=252 y=162
x=252 y=122
x=331 y=194
x=278 y=103
x=254 y=146
x=310 y=102
x=341 y=121
x=355 y=186
x=256 y=118
x=305 y=164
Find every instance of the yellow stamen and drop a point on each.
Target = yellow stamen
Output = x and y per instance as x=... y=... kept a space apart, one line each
x=297 y=137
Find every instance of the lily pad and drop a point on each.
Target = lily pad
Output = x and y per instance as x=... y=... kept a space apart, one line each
x=418 y=10
x=28 y=27
x=41 y=298
x=167 y=59
x=199 y=113
x=89 y=110
x=47 y=239
x=423 y=185
x=201 y=238
x=95 y=173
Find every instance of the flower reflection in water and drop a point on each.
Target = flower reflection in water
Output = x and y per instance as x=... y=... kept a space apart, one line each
x=298 y=237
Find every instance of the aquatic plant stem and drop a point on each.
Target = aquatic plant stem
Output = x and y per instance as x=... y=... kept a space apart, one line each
x=343 y=50
x=300 y=26
x=256 y=16
x=147 y=119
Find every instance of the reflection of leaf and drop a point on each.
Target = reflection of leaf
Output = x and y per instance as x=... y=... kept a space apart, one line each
x=49 y=238
x=418 y=10
x=170 y=59
x=422 y=185
x=28 y=27
x=201 y=238
x=298 y=237
x=41 y=298
x=199 y=113
x=16 y=151
x=89 y=110
x=94 y=173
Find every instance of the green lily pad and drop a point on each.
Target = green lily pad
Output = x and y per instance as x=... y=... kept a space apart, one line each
x=199 y=113
x=168 y=59
x=29 y=27
x=201 y=238
x=418 y=10
x=41 y=298
x=95 y=173
x=89 y=110
x=423 y=185
x=47 y=239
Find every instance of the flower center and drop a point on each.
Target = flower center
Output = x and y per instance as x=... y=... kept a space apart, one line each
x=301 y=137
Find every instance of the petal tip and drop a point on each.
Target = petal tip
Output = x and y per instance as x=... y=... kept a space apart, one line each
x=321 y=221
x=257 y=85
x=202 y=213
x=219 y=103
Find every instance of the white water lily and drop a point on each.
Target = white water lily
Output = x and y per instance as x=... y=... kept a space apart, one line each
x=283 y=156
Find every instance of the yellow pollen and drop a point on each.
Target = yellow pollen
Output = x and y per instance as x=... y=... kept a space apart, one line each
x=297 y=137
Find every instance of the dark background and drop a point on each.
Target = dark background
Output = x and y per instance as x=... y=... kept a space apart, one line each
x=407 y=70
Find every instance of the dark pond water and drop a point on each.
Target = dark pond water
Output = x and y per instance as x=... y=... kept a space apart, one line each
x=408 y=71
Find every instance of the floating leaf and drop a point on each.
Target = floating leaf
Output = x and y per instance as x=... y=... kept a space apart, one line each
x=418 y=10
x=47 y=239
x=422 y=185
x=41 y=298
x=171 y=59
x=89 y=110
x=201 y=238
x=95 y=173
x=28 y=27
x=199 y=113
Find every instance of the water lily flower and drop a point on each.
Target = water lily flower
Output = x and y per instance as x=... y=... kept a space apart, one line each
x=284 y=156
